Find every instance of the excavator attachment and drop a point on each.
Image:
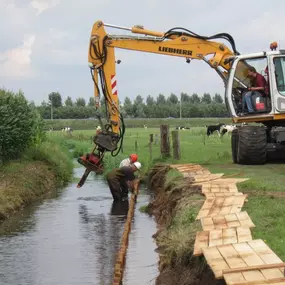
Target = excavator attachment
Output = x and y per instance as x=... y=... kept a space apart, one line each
x=92 y=162
x=107 y=140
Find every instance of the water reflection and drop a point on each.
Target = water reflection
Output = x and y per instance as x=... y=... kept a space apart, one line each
x=72 y=238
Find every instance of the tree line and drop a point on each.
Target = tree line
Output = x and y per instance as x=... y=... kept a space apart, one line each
x=160 y=107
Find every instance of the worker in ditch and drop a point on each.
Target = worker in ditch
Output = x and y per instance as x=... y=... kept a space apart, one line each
x=121 y=179
x=130 y=160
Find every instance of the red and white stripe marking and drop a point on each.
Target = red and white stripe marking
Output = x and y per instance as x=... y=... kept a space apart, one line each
x=114 y=85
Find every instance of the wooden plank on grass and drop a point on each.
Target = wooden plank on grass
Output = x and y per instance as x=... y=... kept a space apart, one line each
x=243 y=234
x=206 y=178
x=201 y=241
x=222 y=194
x=263 y=265
x=221 y=206
x=215 y=238
x=215 y=260
x=230 y=236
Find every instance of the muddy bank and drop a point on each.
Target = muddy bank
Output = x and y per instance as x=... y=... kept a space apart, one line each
x=26 y=181
x=175 y=207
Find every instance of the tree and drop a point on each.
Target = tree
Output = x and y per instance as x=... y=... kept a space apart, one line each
x=20 y=125
x=195 y=99
x=218 y=98
x=55 y=99
x=128 y=106
x=172 y=99
x=68 y=101
x=91 y=102
x=160 y=99
x=185 y=98
x=149 y=100
x=80 y=102
x=138 y=107
x=206 y=98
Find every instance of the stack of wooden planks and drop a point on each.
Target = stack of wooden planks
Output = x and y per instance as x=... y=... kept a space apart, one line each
x=225 y=240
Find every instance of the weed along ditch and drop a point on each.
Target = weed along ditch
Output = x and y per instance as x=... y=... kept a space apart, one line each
x=73 y=237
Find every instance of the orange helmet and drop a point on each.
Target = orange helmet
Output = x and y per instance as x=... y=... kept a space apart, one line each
x=133 y=157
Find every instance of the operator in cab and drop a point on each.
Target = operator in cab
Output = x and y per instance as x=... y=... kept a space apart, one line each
x=121 y=179
x=259 y=84
x=129 y=161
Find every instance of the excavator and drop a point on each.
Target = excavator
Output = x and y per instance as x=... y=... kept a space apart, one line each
x=258 y=136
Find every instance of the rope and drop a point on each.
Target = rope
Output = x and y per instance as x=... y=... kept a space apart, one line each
x=121 y=256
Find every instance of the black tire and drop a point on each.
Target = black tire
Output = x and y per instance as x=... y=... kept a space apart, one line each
x=251 y=145
x=234 y=145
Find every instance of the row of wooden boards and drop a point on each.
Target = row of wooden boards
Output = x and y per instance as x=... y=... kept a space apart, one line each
x=226 y=241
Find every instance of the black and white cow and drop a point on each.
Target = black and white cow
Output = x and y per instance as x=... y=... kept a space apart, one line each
x=227 y=129
x=214 y=128
x=182 y=128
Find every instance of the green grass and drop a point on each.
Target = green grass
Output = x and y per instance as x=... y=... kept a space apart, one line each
x=213 y=153
x=40 y=170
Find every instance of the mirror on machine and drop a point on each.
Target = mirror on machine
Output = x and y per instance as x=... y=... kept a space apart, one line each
x=250 y=92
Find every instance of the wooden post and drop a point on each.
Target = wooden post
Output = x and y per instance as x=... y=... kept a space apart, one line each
x=136 y=146
x=150 y=146
x=164 y=141
x=176 y=145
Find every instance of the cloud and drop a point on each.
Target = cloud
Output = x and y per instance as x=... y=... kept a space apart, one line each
x=43 y=5
x=59 y=55
x=16 y=62
x=57 y=34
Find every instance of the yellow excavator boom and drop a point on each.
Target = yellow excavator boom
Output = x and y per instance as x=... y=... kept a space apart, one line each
x=177 y=42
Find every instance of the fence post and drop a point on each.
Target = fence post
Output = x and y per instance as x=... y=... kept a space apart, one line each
x=150 y=146
x=164 y=141
x=176 y=145
x=136 y=146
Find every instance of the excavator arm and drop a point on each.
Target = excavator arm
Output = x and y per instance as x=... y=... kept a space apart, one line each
x=177 y=42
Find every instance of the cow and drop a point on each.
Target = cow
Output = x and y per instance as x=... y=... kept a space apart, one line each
x=182 y=128
x=214 y=128
x=227 y=129
x=67 y=129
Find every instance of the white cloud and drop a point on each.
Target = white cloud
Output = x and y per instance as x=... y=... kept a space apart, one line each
x=57 y=34
x=43 y=5
x=16 y=62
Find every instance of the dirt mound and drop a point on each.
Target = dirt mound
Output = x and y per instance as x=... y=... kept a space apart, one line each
x=174 y=207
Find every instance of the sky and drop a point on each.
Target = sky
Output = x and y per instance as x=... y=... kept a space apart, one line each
x=44 y=43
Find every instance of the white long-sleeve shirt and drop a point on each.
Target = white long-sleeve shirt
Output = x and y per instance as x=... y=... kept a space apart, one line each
x=125 y=162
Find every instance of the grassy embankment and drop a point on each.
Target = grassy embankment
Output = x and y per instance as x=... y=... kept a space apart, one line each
x=266 y=205
x=40 y=170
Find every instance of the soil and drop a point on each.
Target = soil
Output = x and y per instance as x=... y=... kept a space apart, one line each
x=194 y=270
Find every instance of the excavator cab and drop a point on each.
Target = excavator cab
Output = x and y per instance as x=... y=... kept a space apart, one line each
x=264 y=141
x=268 y=105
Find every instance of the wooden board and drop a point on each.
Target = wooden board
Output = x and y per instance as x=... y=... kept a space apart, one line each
x=239 y=255
x=230 y=180
x=241 y=219
x=220 y=237
x=225 y=194
x=207 y=177
x=221 y=206
x=195 y=173
x=212 y=187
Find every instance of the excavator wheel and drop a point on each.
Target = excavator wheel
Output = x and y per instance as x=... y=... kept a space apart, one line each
x=234 y=145
x=251 y=147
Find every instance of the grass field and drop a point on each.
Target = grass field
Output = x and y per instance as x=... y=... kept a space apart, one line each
x=266 y=205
